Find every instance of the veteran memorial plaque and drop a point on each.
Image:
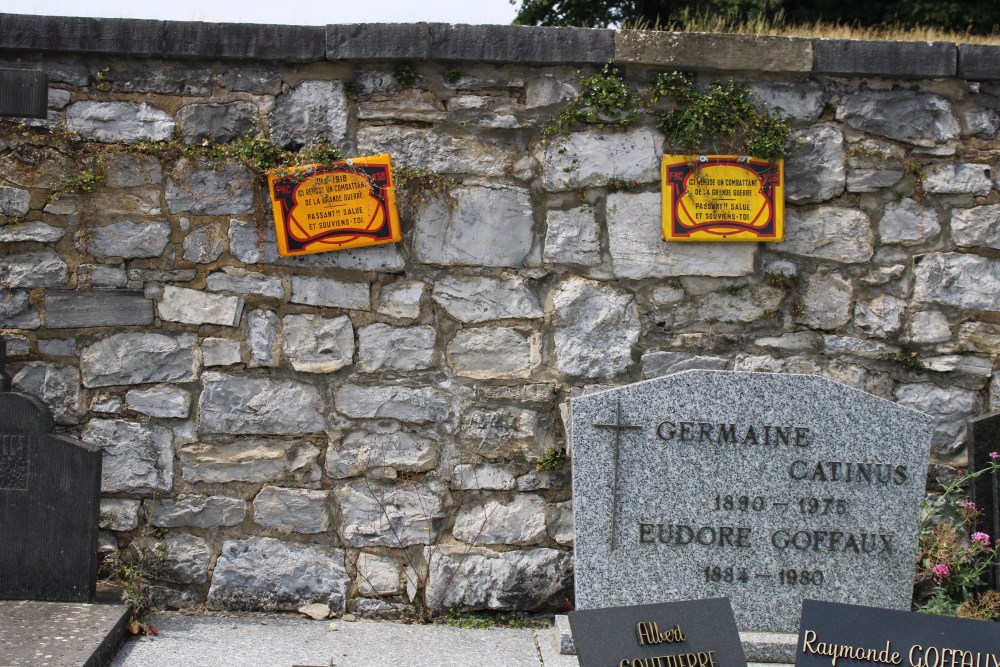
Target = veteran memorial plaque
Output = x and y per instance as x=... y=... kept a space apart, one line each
x=347 y=204
x=49 y=502
x=722 y=198
x=764 y=488
x=834 y=634
x=698 y=633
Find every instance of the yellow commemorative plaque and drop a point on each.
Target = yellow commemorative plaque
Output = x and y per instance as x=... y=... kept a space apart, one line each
x=723 y=198
x=347 y=204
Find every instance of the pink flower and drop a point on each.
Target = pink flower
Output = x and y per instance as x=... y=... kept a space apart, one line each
x=981 y=538
x=993 y=456
x=968 y=505
x=941 y=572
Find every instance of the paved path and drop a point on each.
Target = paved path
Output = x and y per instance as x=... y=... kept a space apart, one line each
x=221 y=641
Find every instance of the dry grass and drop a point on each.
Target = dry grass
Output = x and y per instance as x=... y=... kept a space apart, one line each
x=778 y=27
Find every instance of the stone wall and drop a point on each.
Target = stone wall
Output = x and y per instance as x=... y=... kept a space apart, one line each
x=363 y=426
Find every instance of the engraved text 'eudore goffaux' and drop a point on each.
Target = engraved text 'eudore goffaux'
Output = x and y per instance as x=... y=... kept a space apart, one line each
x=762 y=488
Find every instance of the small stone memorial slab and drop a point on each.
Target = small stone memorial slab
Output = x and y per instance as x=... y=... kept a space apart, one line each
x=49 y=503
x=696 y=633
x=767 y=489
x=984 y=439
x=853 y=636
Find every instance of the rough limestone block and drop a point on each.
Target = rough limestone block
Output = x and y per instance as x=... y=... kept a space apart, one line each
x=700 y=51
x=332 y=293
x=814 y=172
x=101 y=275
x=396 y=516
x=798 y=101
x=138 y=458
x=572 y=237
x=440 y=152
x=485 y=579
x=495 y=353
x=220 y=352
x=43 y=268
x=119 y=514
x=119 y=121
x=198 y=512
x=930 y=326
x=593 y=158
x=960 y=280
x=203 y=189
x=126 y=239
x=124 y=170
x=826 y=300
x=361 y=451
x=292 y=510
x=922 y=119
x=410 y=404
x=160 y=401
x=519 y=521
x=182 y=559
x=30 y=231
x=378 y=575
x=262 y=338
x=638 y=250
x=963 y=178
x=489 y=476
x=265 y=574
x=242 y=405
x=880 y=317
x=385 y=348
x=908 y=223
x=204 y=244
x=139 y=358
x=217 y=123
x=189 y=306
x=481 y=226
x=311 y=111
x=595 y=328
x=401 y=299
x=16 y=311
x=829 y=232
x=976 y=227
x=243 y=281
x=67 y=309
x=473 y=299
x=951 y=408
x=658 y=364
x=55 y=385
x=250 y=460
x=314 y=344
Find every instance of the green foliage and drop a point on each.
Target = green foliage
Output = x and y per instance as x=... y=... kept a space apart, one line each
x=971 y=16
x=782 y=281
x=605 y=99
x=406 y=75
x=415 y=186
x=724 y=118
x=622 y=185
x=131 y=571
x=84 y=181
x=452 y=75
x=954 y=561
x=553 y=460
x=906 y=358
x=734 y=290
x=487 y=620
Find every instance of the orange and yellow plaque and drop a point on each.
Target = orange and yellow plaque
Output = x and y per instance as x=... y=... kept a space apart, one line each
x=723 y=198
x=347 y=204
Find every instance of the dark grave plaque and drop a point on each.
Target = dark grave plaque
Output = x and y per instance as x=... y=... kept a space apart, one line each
x=24 y=93
x=984 y=439
x=49 y=503
x=692 y=633
x=832 y=633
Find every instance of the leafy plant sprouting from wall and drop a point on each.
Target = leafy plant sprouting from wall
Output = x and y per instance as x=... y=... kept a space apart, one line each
x=719 y=118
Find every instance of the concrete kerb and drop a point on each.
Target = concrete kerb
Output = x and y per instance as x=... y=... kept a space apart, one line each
x=713 y=51
x=885 y=58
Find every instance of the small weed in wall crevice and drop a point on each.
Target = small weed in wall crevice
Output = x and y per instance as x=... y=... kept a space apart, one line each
x=406 y=75
x=553 y=460
x=131 y=571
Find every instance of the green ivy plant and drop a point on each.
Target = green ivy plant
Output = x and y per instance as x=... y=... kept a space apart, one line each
x=722 y=118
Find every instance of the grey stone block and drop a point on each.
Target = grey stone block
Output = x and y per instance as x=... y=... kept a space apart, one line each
x=378 y=41
x=520 y=44
x=899 y=59
x=281 y=43
x=66 y=309
x=706 y=51
x=978 y=62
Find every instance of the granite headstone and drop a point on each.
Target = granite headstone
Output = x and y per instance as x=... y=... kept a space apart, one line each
x=767 y=489
x=984 y=439
x=49 y=503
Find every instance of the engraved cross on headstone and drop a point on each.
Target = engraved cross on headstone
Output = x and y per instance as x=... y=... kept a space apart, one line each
x=618 y=427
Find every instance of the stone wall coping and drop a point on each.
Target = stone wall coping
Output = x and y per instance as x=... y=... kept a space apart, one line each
x=498 y=44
